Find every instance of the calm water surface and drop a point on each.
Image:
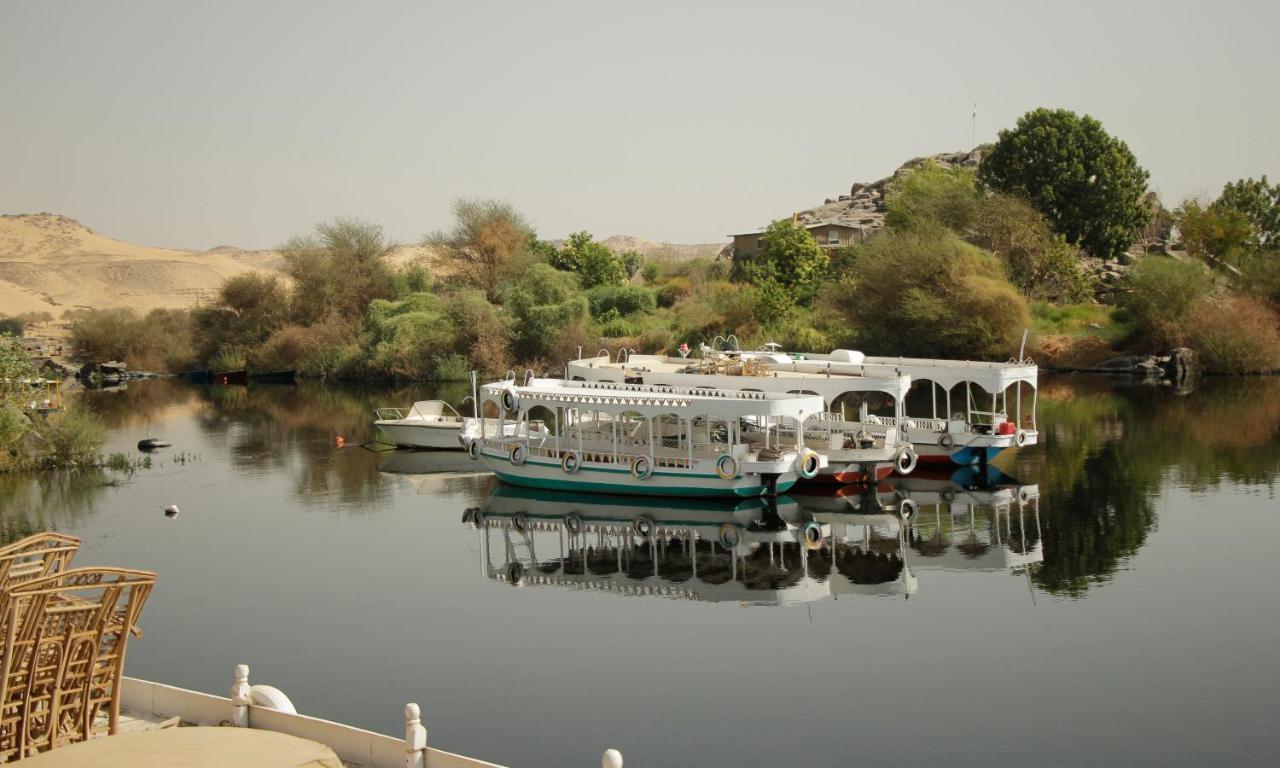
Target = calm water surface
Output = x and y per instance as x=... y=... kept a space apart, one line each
x=1107 y=598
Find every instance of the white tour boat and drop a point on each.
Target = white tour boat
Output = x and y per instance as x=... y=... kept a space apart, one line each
x=859 y=446
x=952 y=425
x=644 y=439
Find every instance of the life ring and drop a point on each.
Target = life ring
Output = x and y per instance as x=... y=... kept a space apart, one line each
x=570 y=463
x=811 y=535
x=906 y=508
x=515 y=572
x=947 y=441
x=641 y=468
x=517 y=455
x=510 y=401
x=644 y=526
x=1020 y=438
x=949 y=495
x=726 y=467
x=573 y=522
x=905 y=461
x=808 y=463
x=473 y=449
x=520 y=521
x=730 y=535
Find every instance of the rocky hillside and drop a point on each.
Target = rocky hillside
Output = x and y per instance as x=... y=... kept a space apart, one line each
x=660 y=251
x=864 y=205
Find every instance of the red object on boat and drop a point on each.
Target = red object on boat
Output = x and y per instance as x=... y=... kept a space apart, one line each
x=1006 y=428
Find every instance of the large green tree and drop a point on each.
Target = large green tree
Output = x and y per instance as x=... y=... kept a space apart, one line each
x=490 y=243
x=790 y=257
x=1259 y=202
x=1085 y=181
x=338 y=271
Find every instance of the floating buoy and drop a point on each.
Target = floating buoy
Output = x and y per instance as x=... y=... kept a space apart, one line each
x=171 y=510
x=339 y=441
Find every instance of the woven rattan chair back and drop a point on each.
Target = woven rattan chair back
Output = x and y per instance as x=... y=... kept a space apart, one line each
x=64 y=651
x=35 y=556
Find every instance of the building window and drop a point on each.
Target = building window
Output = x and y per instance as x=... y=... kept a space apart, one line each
x=833 y=237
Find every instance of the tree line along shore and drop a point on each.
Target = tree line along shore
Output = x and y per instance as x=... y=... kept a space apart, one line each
x=1053 y=230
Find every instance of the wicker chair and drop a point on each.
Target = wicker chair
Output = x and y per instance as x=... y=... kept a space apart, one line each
x=64 y=650
x=39 y=555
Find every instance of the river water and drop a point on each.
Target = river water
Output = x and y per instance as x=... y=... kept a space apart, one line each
x=1108 y=597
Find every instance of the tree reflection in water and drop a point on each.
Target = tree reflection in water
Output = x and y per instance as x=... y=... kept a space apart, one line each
x=1108 y=451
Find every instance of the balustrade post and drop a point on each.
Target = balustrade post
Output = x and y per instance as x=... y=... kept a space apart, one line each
x=240 y=697
x=415 y=738
x=612 y=758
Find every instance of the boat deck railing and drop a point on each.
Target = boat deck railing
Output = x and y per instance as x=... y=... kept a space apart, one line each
x=702 y=452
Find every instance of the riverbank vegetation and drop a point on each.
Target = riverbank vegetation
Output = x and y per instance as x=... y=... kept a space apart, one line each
x=68 y=437
x=1054 y=230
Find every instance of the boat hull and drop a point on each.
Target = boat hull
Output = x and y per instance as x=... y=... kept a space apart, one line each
x=424 y=435
x=846 y=474
x=548 y=475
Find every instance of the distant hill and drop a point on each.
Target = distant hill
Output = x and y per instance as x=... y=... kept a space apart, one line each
x=52 y=263
x=660 y=251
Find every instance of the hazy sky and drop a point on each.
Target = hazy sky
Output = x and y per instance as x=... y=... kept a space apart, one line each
x=194 y=125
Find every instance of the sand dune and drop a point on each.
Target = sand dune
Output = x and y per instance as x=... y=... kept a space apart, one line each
x=59 y=263
x=52 y=263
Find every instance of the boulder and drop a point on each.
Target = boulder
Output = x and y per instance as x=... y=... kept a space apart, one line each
x=1181 y=364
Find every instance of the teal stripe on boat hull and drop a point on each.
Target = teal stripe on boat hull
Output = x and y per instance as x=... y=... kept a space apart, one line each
x=633 y=490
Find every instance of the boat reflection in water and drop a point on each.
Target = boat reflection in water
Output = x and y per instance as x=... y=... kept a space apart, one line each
x=795 y=549
x=971 y=519
x=428 y=471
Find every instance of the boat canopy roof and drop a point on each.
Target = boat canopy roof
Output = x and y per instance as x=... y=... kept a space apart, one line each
x=993 y=377
x=678 y=371
x=655 y=400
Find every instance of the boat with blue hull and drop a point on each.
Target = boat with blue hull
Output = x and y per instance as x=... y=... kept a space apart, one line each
x=954 y=412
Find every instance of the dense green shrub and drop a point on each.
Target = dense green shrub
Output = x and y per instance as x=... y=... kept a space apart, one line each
x=544 y=303
x=932 y=195
x=161 y=340
x=624 y=299
x=452 y=367
x=656 y=341
x=673 y=289
x=70 y=437
x=11 y=326
x=331 y=347
x=593 y=262
x=1156 y=296
x=1042 y=264
x=928 y=293
x=407 y=336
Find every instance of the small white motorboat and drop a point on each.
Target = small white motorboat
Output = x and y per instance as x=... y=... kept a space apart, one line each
x=428 y=424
